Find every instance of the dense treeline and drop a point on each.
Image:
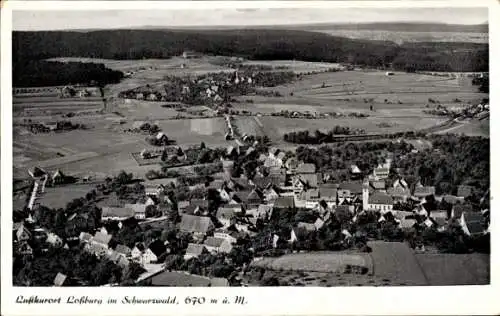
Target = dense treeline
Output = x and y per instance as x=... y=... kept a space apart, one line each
x=37 y=73
x=253 y=44
x=303 y=137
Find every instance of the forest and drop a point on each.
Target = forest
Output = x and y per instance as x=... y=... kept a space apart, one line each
x=256 y=44
x=37 y=73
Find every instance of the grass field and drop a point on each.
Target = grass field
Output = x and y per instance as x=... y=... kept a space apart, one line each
x=396 y=261
x=316 y=261
x=58 y=197
x=296 y=66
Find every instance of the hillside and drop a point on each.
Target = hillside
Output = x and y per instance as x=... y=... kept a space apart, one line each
x=252 y=44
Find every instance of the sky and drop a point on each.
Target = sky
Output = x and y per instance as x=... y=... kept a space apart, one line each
x=58 y=20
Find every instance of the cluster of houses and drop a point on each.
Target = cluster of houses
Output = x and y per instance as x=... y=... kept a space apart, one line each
x=72 y=91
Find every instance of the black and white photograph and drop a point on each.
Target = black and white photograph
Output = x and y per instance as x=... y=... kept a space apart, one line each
x=250 y=147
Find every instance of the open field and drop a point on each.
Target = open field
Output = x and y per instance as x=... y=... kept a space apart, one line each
x=455 y=269
x=400 y=37
x=316 y=262
x=58 y=197
x=396 y=261
x=296 y=66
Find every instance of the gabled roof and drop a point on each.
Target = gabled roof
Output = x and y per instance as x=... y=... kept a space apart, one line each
x=311 y=194
x=424 y=191
x=118 y=212
x=380 y=198
x=464 y=190
x=327 y=192
x=227 y=212
x=195 y=249
x=355 y=187
x=102 y=238
x=284 y=202
x=355 y=169
x=123 y=249
x=85 y=236
x=59 y=279
x=213 y=242
x=310 y=179
x=400 y=183
x=58 y=173
x=306 y=168
x=136 y=208
x=37 y=172
x=192 y=223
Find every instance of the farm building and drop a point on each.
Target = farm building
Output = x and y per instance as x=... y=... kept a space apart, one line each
x=189 y=54
x=198 y=225
x=194 y=250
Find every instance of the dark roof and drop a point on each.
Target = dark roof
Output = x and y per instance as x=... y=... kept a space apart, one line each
x=380 y=198
x=284 y=202
x=196 y=249
x=227 y=212
x=102 y=238
x=192 y=223
x=199 y=202
x=311 y=179
x=475 y=222
x=306 y=168
x=327 y=192
x=464 y=190
x=355 y=187
x=424 y=191
x=157 y=247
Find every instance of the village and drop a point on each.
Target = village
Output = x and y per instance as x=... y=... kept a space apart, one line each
x=237 y=206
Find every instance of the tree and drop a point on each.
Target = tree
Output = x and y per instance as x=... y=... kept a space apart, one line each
x=164 y=156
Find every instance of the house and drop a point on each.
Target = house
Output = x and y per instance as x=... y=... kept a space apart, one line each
x=60 y=279
x=85 y=237
x=22 y=233
x=305 y=168
x=116 y=213
x=398 y=193
x=310 y=198
x=400 y=183
x=284 y=202
x=458 y=209
x=307 y=226
x=272 y=162
x=350 y=189
x=472 y=223
x=231 y=237
x=199 y=226
x=406 y=223
x=148 y=256
x=262 y=211
x=218 y=245
x=136 y=253
x=194 y=251
x=124 y=250
x=380 y=201
x=58 y=177
x=226 y=214
x=452 y=199
x=37 y=172
x=464 y=191
x=54 y=240
x=424 y=191
x=188 y=54
x=377 y=185
x=158 y=248
x=328 y=194
x=139 y=210
x=270 y=194
x=101 y=238
x=355 y=171
x=183 y=205
x=308 y=180
x=25 y=249
x=161 y=137
x=319 y=223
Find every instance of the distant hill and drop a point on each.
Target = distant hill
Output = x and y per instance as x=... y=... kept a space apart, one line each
x=390 y=26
